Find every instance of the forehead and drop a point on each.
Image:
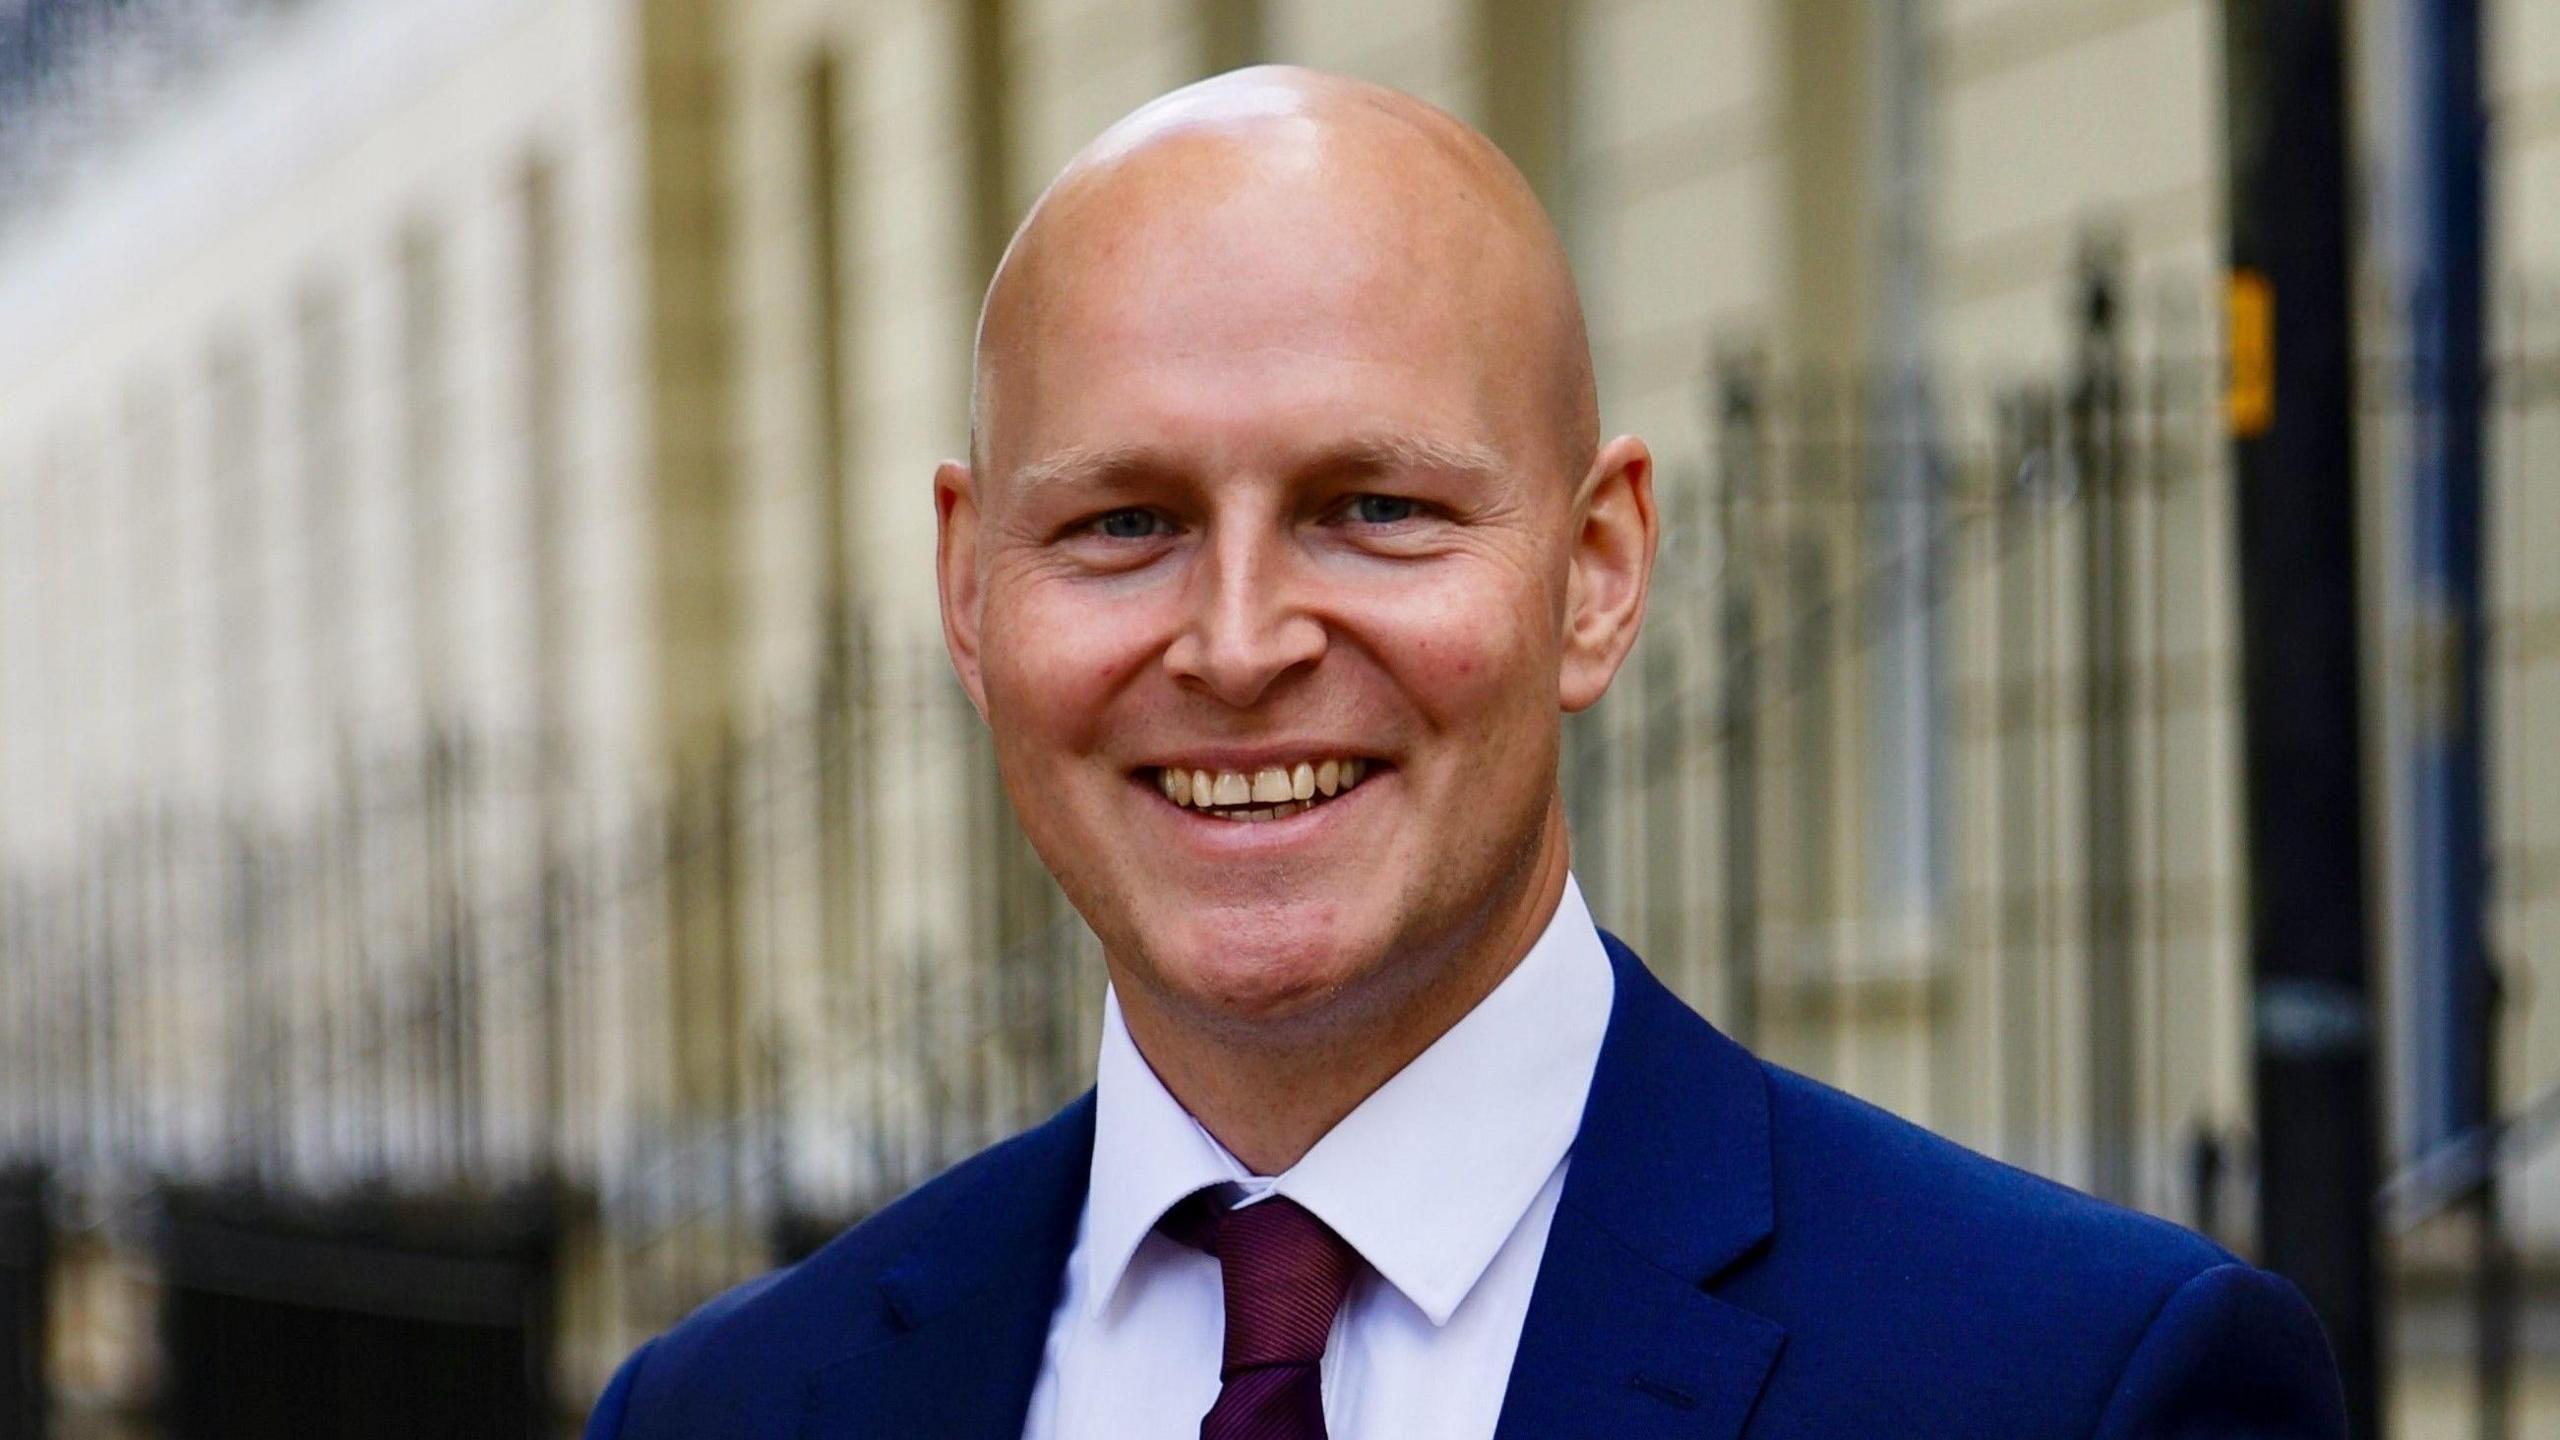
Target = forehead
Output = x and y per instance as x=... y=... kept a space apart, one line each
x=1254 y=313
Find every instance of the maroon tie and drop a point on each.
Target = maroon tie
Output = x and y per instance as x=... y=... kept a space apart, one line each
x=1285 y=1273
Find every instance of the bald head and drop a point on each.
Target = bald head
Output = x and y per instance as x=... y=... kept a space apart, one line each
x=1272 y=194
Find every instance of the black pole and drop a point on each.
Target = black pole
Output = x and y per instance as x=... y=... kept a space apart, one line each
x=2292 y=416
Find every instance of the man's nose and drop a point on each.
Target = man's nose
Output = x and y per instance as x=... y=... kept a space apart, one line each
x=1247 y=624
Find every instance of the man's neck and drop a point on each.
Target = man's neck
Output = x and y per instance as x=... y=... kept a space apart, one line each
x=1269 y=1104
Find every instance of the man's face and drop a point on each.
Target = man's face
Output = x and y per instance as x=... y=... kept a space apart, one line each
x=1264 y=519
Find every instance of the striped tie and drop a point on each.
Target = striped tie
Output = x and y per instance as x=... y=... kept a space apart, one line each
x=1285 y=1273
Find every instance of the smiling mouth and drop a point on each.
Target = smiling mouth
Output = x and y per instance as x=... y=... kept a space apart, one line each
x=1272 y=793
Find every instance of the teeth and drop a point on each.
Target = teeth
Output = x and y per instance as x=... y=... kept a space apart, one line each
x=1272 y=793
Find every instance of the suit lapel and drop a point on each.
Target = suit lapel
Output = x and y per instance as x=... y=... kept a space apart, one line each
x=1668 y=1187
x=961 y=1321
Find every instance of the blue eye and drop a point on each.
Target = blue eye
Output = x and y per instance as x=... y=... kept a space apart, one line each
x=1132 y=524
x=1382 y=509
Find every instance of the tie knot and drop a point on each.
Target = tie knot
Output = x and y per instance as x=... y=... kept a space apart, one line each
x=1285 y=1274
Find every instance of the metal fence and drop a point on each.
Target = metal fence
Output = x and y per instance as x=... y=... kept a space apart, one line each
x=1924 y=769
x=693 y=1025
x=2008 y=898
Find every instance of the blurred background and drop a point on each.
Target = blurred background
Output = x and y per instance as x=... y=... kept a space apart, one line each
x=491 y=851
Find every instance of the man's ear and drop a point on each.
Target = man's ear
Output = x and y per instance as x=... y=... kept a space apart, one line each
x=955 y=567
x=1612 y=568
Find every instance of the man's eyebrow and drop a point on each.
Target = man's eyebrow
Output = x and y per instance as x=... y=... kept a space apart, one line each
x=1366 y=453
x=1404 y=451
x=1081 y=462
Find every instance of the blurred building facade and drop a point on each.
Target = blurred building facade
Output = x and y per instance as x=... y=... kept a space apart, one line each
x=476 y=759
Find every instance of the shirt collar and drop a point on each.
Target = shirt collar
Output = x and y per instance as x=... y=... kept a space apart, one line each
x=1429 y=1175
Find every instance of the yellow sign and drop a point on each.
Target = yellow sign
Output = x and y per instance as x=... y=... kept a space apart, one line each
x=2250 y=400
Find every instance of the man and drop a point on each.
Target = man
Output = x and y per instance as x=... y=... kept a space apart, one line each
x=1286 y=538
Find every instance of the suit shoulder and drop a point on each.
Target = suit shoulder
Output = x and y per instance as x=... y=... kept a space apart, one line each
x=724 y=1358
x=1909 y=1271
x=1848 y=1161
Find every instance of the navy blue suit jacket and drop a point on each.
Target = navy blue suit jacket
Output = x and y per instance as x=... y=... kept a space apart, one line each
x=1738 y=1251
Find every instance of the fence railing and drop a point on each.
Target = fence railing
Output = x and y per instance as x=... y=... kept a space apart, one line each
x=1925 y=776
x=1924 y=767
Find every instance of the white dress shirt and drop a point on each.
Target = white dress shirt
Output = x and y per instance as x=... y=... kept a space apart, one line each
x=1445 y=1180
